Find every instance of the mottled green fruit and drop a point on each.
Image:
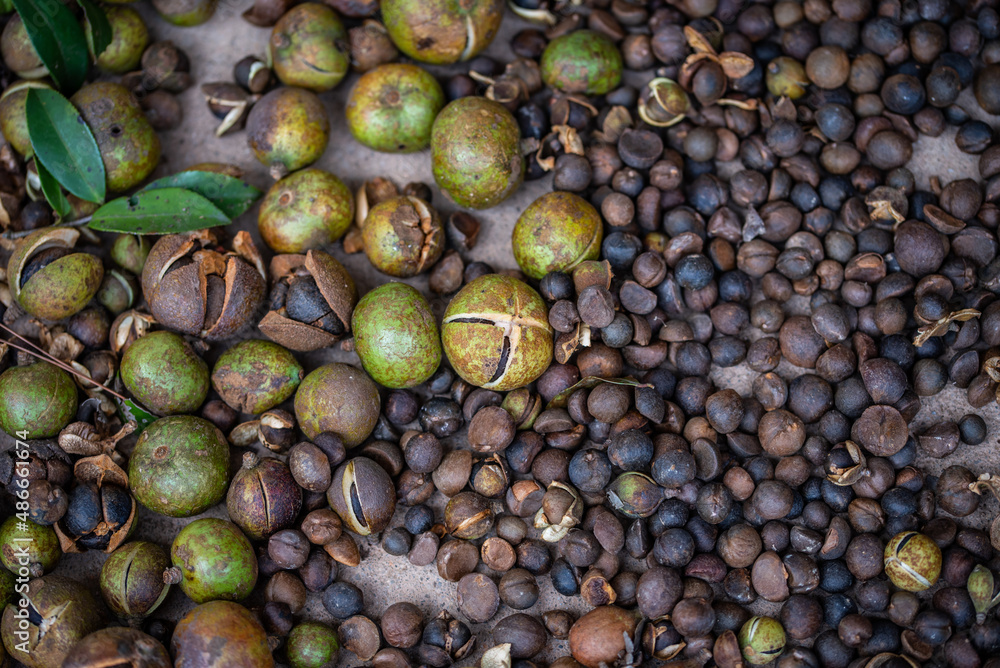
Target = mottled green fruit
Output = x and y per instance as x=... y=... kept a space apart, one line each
x=28 y=549
x=132 y=579
x=584 y=61
x=129 y=251
x=64 y=613
x=165 y=374
x=305 y=210
x=396 y=336
x=761 y=640
x=403 y=236
x=309 y=48
x=555 y=233
x=62 y=287
x=13 y=122
x=255 y=375
x=129 y=146
x=6 y=592
x=225 y=631
x=496 y=333
x=392 y=108
x=129 y=39
x=786 y=77
x=912 y=561
x=338 y=398
x=185 y=13
x=216 y=561
x=476 y=152
x=180 y=466
x=442 y=31
x=288 y=129
x=312 y=645
x=19 y=55
x=39 y=399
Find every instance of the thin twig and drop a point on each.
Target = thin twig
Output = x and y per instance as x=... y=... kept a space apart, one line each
x=79 y=222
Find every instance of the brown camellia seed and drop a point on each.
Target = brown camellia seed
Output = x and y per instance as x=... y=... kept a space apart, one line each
x=599 y=636
x=477 y=597
x=468 y=515
x=402 y=624
x=491 y=430
x=363 y=495
x=880 y=430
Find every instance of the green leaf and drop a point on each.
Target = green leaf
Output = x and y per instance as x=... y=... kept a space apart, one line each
x=58 y=39
x=130 y=410
x=61 y=139
x=232 y=196
x=560 y=400
x=53 y=192
x=161 y=211
x=99 y=31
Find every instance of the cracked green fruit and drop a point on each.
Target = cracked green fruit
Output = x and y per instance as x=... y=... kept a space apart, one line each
x=396 y=336
x=13 y=122
x=256 y=375
x=180 y=466
x=134 y=581
x=583 y=61
x=165 y=374
x=442 y=31
x=304 y=211
x=309 y=48
x=339 y=398
x=48 y=279
x=762 y=640
x=288 y=129
x=216 y=561
x=39 y=399
x=555 y=233
x=392 y=108
x=224 y=630
x=476 y=152
x=129 y=40
x=403 y=236
x=496 y=333
x=64 y=612
x=129 y=146
x=912 y=561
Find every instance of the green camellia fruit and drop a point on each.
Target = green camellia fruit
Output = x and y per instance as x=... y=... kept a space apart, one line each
x=28 y=546
x=225 y=631
x=256 y=375
x=304 y=211
x=19 y=55
x=496 y=333
x=403 y=236
x=912 y=561
x=48 y=278
x=39 y=399
x=392 y=108
x=583 y=61
x=180 y=466
x=165 y=374
x=338 y=398
x=129 y=146
x=216 y=561
x=442 y=31
x=476 y=152
x=309 y=48
x=288 y=129
x=396 y=336
x=185 y=13
x=555 y=233
x=312 y=645
x=134 y=581
x=761 y=640
x=128 y=41
x=13 y=122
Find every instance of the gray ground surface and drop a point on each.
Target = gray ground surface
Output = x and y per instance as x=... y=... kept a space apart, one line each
x=214 y=48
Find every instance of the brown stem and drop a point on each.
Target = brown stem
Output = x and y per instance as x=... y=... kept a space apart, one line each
x=79 y=222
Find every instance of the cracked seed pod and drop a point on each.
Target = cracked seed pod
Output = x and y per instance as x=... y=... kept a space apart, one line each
x=403 y=236
x=496 y=333
x=229 y=103
x=128 y=328
x=555 y=233
x=442 y=31
x=48 y=279
x=363 y=495
x=100 y=514
x=263 y=497
x=196 y=287
x=762 y=639
x=468 y=516
x=912 y=561
x=562 y=509
x=119 y=646
x=524 y=406
x=61 y=612
x=635 y=495
x=597 y=638
x=135 y=580
x=311 y=303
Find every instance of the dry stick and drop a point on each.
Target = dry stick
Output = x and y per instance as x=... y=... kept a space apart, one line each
x=41 y=354
x=79 y=222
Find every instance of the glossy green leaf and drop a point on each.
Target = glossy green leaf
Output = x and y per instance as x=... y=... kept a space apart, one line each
x=99 y=31
x=232 y=196
x=53 y=192
x=58 y=39
x=130 y=410
x=161 y=211
x=62 y=141
x=561 y=399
